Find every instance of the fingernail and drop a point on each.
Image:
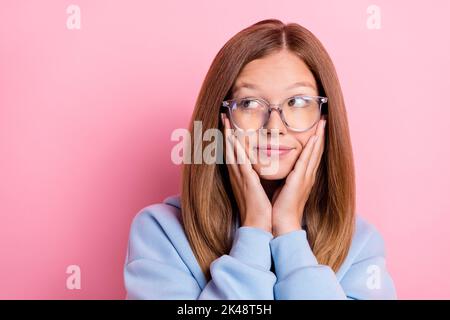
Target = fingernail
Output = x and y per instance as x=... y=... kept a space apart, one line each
x=323 y=123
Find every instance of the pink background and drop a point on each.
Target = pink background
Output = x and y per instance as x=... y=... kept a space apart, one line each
x=86 y=117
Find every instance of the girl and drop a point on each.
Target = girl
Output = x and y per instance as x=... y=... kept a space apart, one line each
x=239 y=231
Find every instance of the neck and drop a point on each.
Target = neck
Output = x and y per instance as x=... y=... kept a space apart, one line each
x=270 y=186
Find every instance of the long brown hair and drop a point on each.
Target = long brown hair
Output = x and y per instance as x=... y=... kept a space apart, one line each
x=208 y=205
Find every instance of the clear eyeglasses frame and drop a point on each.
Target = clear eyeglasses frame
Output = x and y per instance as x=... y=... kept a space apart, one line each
x=314 y=103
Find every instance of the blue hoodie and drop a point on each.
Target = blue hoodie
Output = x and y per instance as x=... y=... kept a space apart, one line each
x=160 y=264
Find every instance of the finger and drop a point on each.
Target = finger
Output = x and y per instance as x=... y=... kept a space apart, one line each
x=241 y=163
x=230 y=156
x=322 y=148
x=302 y=162
x=229 y=151
x=244 y=164
x=321 y=155
x=229 y=141
x=318 y=149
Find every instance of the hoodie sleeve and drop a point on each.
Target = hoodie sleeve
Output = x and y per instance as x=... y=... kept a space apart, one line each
x=155 y=270
x=300 y=276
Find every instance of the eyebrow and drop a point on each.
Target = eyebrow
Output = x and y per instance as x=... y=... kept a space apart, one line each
x=255 y=87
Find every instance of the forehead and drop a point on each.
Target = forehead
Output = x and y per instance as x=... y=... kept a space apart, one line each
x=279 y=71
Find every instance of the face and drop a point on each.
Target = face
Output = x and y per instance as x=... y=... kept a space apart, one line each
x=275 y=78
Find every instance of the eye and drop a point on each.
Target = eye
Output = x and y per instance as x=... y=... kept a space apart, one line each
x=248 y=103
x=297 y=102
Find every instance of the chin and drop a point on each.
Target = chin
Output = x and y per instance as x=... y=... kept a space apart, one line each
x=279 y=170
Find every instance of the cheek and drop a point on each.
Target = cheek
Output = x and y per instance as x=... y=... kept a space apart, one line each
x=303 y=137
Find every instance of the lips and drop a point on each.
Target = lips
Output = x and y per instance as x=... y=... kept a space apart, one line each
x=274 y=149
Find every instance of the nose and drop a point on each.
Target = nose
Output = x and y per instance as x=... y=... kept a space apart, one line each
x=275 y=122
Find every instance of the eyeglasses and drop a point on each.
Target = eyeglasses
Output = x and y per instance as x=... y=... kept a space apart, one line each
x=299 y=113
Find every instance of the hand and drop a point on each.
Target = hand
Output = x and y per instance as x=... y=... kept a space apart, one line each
x=254 y=206
x=290 y=199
